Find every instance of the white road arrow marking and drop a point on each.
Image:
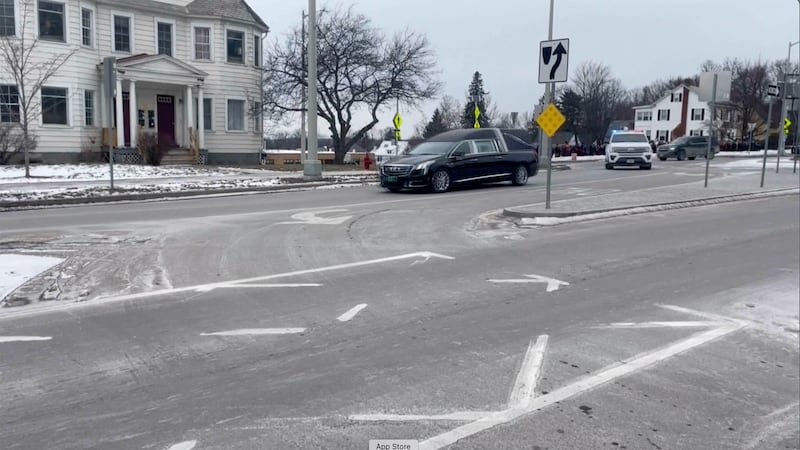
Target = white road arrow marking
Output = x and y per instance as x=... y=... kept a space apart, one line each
x=523 y=402
x=24 y=338
x=256 y=332
x=552 y=283
x=346 y=317
x=312 y=218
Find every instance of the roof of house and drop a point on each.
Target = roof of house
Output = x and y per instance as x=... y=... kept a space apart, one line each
x=230 y=9
x=694 y=89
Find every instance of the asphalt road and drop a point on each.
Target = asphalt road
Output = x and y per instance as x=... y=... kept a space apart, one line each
x=675 y=330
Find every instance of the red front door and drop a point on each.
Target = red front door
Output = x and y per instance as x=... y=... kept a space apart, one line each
x=166 y=120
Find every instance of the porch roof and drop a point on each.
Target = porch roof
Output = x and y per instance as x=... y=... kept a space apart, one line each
x=159 y=69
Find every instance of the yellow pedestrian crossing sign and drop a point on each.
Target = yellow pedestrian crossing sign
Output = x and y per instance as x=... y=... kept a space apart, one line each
x=397 y=135
x=551 y=120
x=477 y=116
x=787 y=124
x=398 y=121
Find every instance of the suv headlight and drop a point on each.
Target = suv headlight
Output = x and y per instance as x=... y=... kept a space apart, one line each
x=424 y=166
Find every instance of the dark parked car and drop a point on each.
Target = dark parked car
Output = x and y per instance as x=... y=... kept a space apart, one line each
x=687 y=147
x=460 y=157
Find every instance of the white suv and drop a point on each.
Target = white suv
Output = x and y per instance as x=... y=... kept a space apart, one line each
x=629 y=148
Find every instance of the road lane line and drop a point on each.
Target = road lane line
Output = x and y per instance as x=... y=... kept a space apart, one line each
x=277 y=285
x=187 y=445
x=599 y=378
x=663 y=324
x=346 y=317
x=256 y=332
x=24 y=338
x=461 y=416
x=524 y=389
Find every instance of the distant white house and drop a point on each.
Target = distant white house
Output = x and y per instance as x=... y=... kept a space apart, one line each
x=387 y=150
x=182 y=66
x=680 y=112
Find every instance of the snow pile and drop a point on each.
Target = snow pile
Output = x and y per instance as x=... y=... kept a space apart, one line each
x=66 y=172
x=754 y=163
x=16 y=270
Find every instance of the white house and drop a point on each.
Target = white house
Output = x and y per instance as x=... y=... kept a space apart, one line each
x=181 y=66
x=680 y=112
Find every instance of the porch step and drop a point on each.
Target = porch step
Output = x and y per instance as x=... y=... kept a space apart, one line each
x=178 y=157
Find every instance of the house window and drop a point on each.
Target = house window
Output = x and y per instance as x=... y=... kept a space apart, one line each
x=164 y=38
x=235 y=41
x=662 y=135
x=88 y=108
x=122 y=34
x=663 y=114
x=54 y=106
x=696 y=133
x=698 y=113
x=257 y=50
x=258 y=117
x=87 y=27
x=51 y=22
x=236 y=115
x=677 y=97
x=202 y=43
x=644 y=116
x=208 y=115
x=9 y=104
x=648 y=133
x=8 y=26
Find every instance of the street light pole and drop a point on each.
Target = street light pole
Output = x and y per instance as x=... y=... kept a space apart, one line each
x=305 y=90
x=549 y=92
x=312 y=167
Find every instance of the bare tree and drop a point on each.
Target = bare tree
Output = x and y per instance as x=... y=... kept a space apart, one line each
x=601 y=93
x=451 y=109
x=359 y=69
x=30 y=67
x=748 y=90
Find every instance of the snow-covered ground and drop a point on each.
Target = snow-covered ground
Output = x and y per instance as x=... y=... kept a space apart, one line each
x=15 y=270
x=579 y=158
x=68 y=172
x=755 y=163
x=749 y=154
x=70 y=181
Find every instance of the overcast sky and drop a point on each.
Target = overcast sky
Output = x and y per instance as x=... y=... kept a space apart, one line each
x=641 y=40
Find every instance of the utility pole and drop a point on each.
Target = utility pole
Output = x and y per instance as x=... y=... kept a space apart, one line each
x=303 y=146
x=312 y=167
x=712 y=127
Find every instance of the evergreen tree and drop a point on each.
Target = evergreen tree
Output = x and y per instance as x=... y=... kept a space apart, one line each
x=571 y=106
x=474 y=93
x=435 y=126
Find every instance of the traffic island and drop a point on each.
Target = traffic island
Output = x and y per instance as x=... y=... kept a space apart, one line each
x=724 y=190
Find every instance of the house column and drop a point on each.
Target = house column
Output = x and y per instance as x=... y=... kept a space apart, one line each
x=120 y=116
x=201 y=118
x=189 y=117
x=134 y=116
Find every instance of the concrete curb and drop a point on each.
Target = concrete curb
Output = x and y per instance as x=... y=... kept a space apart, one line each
x=177 y=194
x=511 y=212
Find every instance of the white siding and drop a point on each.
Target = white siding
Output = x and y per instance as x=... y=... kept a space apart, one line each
x=80 y=73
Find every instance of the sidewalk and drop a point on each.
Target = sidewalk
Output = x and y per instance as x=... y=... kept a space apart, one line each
x=720 y=190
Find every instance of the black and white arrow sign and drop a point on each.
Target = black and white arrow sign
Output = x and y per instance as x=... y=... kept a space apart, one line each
x=553 y=61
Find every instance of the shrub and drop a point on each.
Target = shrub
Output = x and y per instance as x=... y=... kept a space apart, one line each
x=150 y=149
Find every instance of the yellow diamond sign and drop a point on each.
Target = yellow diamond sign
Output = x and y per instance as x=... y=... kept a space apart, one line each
x=551 y=120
